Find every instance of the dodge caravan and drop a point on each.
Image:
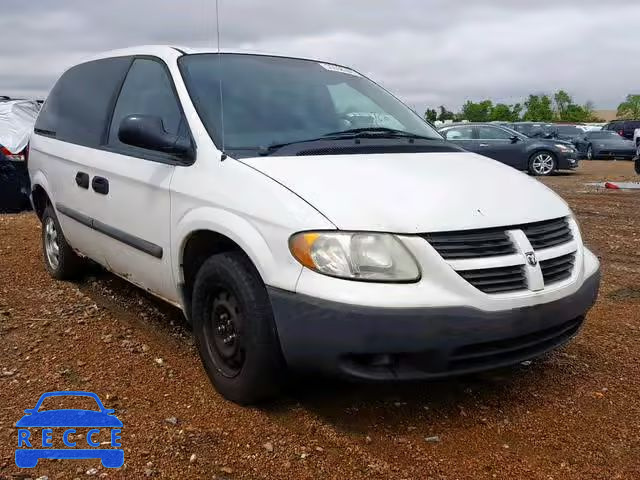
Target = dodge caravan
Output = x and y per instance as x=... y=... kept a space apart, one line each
x=302 y=218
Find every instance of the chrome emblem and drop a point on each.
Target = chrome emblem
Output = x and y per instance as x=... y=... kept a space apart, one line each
x=531 y=258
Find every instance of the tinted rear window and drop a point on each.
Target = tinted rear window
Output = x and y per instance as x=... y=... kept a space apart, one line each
x=79 y=105
x=632 y=125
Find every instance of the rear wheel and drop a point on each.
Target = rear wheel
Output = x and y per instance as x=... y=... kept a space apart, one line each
x=235 y=331
x=590 y=152
x=59 y=258
x=542 y=164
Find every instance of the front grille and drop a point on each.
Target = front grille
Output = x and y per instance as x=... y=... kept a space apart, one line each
x=496 y=280
x=471 y=244
x=548 y=234
x=557 y=269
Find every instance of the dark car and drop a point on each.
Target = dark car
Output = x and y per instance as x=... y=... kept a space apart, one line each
x=534 y=129
x=16 y=117
x=624 y=128
x=568 y=132
x=604 y=144
x=539 y=156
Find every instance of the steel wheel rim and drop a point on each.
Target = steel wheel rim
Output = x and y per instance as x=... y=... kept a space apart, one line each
x=224 y=333
x=543 y=164
x=51 y=246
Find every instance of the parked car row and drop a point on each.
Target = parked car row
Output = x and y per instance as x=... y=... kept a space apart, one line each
x=538 y=156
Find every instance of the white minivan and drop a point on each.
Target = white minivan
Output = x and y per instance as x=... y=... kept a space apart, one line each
x=302 y=218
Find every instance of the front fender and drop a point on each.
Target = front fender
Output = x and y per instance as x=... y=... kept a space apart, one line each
x=276 y=265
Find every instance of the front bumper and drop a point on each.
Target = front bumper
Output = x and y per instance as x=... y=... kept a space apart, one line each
x=608 y=154
x=568 y=160
x=376 y=343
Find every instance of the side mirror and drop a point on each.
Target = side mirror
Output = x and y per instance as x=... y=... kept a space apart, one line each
x=514 y=139
x=147 y=131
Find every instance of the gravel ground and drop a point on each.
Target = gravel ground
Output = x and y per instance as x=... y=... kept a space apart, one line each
x=574 y=414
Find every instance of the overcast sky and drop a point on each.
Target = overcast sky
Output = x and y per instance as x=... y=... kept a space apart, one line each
x=428 y=52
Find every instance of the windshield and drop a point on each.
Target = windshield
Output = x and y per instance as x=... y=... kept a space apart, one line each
x=569 y=130
x=533 y=129
x=272 y=100
x=603 y=134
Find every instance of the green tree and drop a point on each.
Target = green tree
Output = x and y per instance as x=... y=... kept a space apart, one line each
x=502 y=112
x=630 y=108
x=445 y=114
x=431 y=115
x=538 y=109
x=563 y=101
x=477 y=112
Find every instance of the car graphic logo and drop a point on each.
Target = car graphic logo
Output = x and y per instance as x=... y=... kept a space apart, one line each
x=531 y=258
x=27 y=456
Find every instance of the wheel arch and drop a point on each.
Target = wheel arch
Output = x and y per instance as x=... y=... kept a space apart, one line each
x=40 y=195
x=208 y=231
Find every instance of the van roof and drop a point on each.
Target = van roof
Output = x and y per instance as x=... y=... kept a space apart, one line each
x=171 y=52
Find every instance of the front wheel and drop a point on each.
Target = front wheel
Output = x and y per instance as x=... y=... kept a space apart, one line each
x=235 y=330
x=542 y=164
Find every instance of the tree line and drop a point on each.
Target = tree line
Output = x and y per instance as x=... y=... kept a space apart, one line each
x=558 y=107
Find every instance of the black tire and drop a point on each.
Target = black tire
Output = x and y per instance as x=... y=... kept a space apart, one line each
x=69 y=264
x=637 y=165
x=533 y=170
x=590 y=155
x=230 y=303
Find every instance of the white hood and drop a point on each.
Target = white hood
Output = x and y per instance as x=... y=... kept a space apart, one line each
x=414 y=193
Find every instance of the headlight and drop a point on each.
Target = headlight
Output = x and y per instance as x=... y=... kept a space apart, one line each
x=563 y=148
x=375 y=257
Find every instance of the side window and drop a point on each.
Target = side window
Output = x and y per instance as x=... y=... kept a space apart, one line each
x=492 y=133
x=459 y=133
x=78 y=107
x=146 y=91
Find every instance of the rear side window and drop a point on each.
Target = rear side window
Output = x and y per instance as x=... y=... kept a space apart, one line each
x=147 y=90
x=459 y=133
x=492 y=133
x=79 y=105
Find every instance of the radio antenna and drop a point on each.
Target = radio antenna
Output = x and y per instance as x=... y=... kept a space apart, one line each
x=224 y=155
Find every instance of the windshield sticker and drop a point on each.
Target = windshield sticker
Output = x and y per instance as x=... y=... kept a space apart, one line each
x=339 y=69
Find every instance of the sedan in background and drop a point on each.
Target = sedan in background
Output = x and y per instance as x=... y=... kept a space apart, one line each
x=605 y=144
x=538 y=156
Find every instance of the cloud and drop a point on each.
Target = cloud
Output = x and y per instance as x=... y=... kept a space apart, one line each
x=426 y=52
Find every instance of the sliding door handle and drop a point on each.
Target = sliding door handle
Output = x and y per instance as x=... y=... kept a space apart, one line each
x=100 y=185
x=82 y=180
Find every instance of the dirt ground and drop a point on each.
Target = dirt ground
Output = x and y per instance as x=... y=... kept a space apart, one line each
x=574 y=414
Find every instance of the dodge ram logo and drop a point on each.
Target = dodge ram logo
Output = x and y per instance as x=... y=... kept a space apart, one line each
x=531 y=258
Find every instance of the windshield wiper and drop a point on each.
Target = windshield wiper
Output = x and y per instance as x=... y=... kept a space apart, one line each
x=372 y=132
x=375 y=132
